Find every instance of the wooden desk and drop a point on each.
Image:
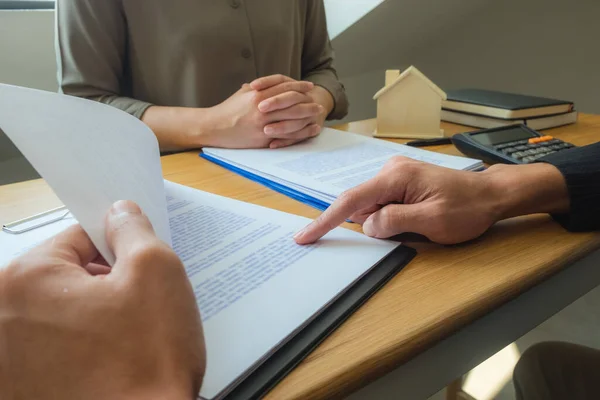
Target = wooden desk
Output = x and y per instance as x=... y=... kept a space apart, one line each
x=445 y=290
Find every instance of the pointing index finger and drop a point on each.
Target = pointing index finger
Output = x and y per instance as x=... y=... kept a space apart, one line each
x=349 y=202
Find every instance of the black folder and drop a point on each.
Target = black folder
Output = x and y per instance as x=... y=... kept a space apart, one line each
x=283 y=361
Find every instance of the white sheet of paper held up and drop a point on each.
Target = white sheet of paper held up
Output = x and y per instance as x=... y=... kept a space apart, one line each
x=68 y=130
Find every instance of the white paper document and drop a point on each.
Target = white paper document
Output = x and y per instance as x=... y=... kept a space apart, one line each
x=329 y=164
x=254 y=285
x=12 y=246
x=83 y=149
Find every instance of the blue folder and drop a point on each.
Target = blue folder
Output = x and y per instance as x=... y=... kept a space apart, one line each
x=293 y=193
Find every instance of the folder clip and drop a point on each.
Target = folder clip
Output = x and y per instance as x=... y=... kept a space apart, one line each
x=9 y=228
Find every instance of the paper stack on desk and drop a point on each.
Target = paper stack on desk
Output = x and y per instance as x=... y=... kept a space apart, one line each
x=259 y=292
x=318 y=170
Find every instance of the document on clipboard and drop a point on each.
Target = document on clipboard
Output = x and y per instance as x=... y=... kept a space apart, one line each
x=265 y=301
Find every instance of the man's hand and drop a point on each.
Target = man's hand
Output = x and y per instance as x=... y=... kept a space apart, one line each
x=71 y=328
x=283 y=108
x=445 y=205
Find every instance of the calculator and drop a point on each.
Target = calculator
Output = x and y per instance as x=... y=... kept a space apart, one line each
x=514 y=144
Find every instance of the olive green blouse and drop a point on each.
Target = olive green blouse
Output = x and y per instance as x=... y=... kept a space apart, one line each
x=191 y=53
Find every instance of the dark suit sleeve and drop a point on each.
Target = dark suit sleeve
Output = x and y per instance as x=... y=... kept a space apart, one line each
x=580 y=167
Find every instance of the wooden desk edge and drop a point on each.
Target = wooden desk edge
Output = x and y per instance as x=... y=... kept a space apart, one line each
x=384 y=362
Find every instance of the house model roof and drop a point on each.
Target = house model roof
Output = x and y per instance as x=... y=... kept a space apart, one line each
x=411 y=71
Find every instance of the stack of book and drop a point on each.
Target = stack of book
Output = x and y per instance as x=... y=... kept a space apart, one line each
x=492 y=109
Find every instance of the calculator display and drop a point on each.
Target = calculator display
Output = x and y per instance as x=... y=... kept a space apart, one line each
x=503 y=136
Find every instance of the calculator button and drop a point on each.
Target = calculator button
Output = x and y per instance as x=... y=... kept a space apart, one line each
x=554 y=141
x=556 y=147
x=518 y=154
x=540 y=139
x=509 y=150
x=521 y=148
x=527 y=159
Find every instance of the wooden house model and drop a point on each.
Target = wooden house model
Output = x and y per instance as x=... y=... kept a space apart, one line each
x=409 y=106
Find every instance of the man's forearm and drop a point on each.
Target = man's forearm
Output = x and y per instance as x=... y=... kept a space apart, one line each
x=527 y=189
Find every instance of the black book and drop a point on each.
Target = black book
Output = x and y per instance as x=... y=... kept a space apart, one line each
x=491 y=103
